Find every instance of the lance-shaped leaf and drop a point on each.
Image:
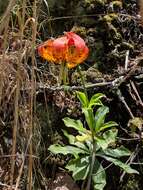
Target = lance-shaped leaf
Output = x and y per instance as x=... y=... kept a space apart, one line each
x=80 y=167
x=116 y=153
x=122 y=165
x=70 y=137
x=108 y=125
x=76 y=124
x=108 y=137
x=83 y=99
x=100 y=117
x=98 y=176
x=89 y=116
x=95 y=100
x=58 y=149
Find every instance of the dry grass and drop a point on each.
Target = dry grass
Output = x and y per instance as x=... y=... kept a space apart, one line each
x=18 y=29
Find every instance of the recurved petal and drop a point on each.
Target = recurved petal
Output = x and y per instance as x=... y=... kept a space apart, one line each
x=77 y=57
x=45 y=50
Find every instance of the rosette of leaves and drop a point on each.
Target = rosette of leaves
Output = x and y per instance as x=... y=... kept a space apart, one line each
x=94 y=141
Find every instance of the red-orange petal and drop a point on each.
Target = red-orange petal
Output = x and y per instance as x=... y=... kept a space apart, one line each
x=69 y=48
x=77 y=52
x=45 y=50
x=59 y=49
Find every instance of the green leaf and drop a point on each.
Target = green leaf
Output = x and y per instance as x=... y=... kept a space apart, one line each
x=95 y=100
x=108 y=125
x=58 y=149
x=101 y=142
x=76 y=124
x=117 y=152
x=70 y=137
x=82 y=146
x=110 y=135
x=107 y=138
x=83 y=99
x=73 y=141
x=98 y=176
x=100 y=117
x=79 y=167
x=122 y=165
x=89 y=116
x=89 y=145
x=83 y=138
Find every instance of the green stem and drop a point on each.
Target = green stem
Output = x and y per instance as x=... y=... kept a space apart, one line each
x=83 y=184
x=92 y=164
x=63 y=74
x=82 y=80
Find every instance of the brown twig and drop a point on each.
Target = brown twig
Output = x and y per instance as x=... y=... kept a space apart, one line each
x=32 y=94
x=121 y=97
x=17 y=96
x=130 y=160
x=136 y=92
x=7 y=186
x=22 y=165
x=5 y=19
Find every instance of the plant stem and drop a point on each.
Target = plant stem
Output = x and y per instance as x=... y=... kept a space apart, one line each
x=63 y=74
x=83 y=184
x=82 y=80
x=92 y=164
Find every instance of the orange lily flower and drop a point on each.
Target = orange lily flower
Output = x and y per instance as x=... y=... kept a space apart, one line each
x=69 y=48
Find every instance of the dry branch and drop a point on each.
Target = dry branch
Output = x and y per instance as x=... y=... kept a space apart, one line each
x=5 y=19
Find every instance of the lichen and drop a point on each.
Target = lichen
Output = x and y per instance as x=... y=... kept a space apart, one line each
x=126 y=46
x=132 y=183
x=110 y=17
x=117 y=4
x=80 y=30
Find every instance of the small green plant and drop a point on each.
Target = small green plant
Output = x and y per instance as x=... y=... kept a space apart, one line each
x=96 y=139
